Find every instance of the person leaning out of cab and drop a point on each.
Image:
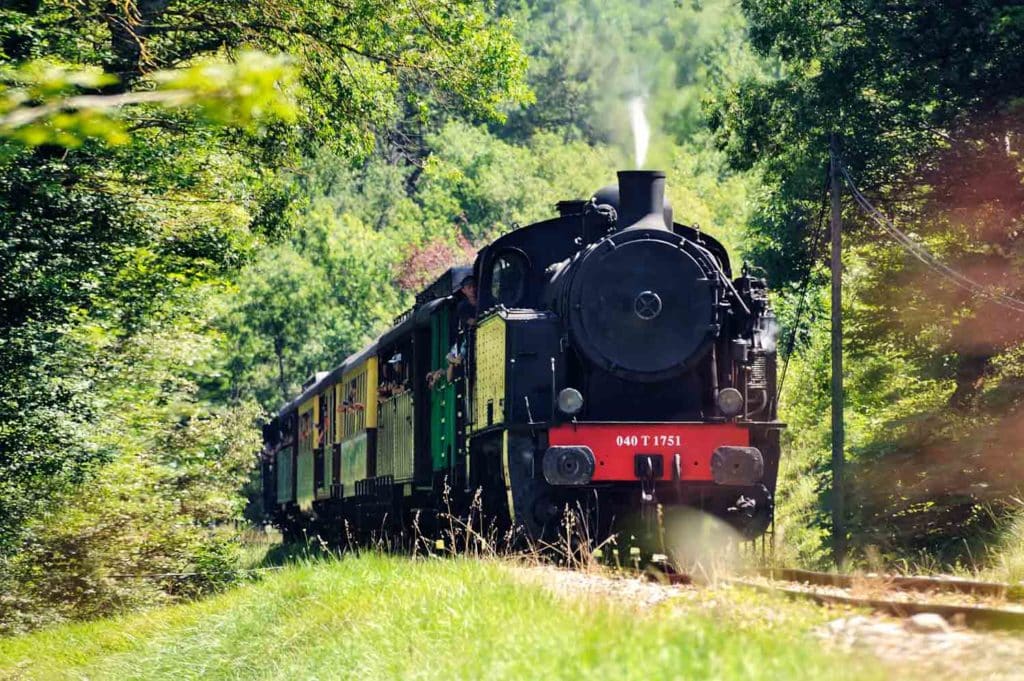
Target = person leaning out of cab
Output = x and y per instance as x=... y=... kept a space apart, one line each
x=466 y=313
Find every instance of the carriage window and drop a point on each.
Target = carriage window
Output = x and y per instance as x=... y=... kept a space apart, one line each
x=508 y=279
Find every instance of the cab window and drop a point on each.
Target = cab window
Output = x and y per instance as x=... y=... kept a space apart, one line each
x=508 y=278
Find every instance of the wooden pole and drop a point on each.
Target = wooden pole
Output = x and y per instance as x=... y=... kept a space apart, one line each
x=838 y=435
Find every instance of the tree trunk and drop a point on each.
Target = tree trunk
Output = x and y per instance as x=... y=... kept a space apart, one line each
x=128 y=31
x=970 y=374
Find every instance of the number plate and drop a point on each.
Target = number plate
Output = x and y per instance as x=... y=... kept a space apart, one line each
x=616 y=446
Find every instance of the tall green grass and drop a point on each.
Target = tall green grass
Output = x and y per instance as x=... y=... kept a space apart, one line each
x=380 y=617
x=1007 y=560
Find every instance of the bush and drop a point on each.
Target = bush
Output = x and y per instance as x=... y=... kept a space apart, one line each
x=163 y=503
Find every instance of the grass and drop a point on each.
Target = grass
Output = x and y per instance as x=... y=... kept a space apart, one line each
x=1008 y=553
x=386 y=617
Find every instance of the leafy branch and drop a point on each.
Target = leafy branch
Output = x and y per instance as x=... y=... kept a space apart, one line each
x=41 y=103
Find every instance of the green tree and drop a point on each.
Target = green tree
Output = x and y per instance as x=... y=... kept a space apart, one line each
x=304 y=306
x=142 y=153
x=176 y=464
x=589 y=58
x=929 y=120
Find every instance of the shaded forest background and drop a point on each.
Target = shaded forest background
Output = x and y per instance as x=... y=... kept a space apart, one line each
x=202 y=203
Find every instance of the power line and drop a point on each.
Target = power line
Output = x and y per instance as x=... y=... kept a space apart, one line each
x=924 y=255
x=816 y=244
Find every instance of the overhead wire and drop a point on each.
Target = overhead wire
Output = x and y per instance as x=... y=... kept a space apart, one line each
x=923 y=254
x=804 y=286
x=904 y=240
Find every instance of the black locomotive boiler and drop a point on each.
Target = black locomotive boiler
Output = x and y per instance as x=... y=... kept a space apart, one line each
x=609 y=363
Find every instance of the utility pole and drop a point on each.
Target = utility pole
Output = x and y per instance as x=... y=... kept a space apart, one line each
x=838 y=434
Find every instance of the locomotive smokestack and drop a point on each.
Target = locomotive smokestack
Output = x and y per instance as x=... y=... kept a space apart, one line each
x=642 y=199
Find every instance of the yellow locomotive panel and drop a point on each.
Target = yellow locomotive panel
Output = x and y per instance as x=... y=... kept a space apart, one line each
x=489 y=386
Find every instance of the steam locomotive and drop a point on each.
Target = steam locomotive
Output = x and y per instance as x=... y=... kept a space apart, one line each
x=613 y=365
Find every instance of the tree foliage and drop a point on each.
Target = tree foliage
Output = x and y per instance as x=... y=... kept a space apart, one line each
x=141 y=148
x=589 y=58
x=202 y=203
x=929 y=121
x=917 y=93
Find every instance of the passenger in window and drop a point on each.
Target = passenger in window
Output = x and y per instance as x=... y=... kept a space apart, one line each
x=466 y=310
x=351 y=400
x=398 y=377
x=454 y=358
x=403 y=375
x=325 y=426
x=387 y=376
x=434 y=379
x=466 y=313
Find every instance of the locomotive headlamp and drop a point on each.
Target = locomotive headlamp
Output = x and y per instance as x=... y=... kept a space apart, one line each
x=570 y=401
x=730 y=401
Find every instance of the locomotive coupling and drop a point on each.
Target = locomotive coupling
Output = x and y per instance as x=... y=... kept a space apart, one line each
x=737 y=465
x=568 y=465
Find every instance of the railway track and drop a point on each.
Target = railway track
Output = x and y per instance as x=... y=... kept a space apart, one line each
x=972 y=603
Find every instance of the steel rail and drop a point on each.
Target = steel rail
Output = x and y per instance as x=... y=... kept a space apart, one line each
x=892 y=582
x=975 y=616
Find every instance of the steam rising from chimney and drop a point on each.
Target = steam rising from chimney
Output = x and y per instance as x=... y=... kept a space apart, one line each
x=641 y=130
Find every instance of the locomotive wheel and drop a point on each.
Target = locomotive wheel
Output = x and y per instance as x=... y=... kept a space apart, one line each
x=536 y=513
x=535 y=510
